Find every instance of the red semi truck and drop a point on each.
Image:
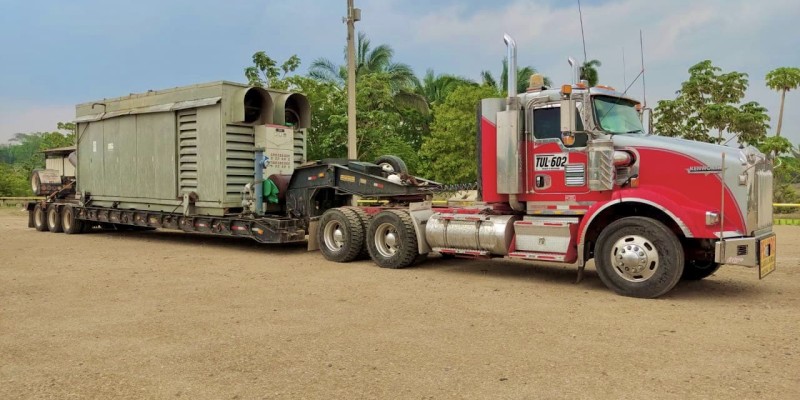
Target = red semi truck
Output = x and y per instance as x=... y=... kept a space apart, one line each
x=566 y=175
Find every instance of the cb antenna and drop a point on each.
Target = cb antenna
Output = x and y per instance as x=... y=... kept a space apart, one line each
x=583 y=38
x=644 y=87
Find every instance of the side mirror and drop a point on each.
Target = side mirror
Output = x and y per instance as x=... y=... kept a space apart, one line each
x=568 y=108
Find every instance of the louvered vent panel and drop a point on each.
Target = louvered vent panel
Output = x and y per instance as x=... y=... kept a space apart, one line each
x=187 y=151
x=239 y=159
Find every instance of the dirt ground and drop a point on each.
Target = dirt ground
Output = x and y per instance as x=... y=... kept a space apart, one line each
x=171 y=315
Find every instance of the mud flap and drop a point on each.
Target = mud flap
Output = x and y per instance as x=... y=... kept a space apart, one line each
x=313 y=228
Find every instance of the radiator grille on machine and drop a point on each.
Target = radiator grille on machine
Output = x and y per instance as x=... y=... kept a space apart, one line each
x=187 y=150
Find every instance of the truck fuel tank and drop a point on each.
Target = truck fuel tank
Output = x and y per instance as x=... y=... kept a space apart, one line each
x=490 y=233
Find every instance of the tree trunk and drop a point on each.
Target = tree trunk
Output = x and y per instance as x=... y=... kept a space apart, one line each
x=780 y=114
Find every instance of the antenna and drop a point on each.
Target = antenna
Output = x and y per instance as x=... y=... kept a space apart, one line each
x=644 y=87
x=624 y=81
x=583 y=38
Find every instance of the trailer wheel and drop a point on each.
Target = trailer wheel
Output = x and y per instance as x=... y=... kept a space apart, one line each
x=341 y=235
x=639 y=257
x=364 y=218
x=39 y=218
x=53 y=219
x=69 y=223
x=36 y=183
x=695 y=270
x=391 y=240
x=392 y=164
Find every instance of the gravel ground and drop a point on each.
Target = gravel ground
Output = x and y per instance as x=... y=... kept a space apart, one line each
x=171 y=315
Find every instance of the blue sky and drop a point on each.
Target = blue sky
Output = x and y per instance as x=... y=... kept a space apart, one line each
x=59 y=53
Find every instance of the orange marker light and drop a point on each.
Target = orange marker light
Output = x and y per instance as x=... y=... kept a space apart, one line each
x=566 y=89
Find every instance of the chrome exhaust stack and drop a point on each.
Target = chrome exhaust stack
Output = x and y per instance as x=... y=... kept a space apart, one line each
x=509 y=160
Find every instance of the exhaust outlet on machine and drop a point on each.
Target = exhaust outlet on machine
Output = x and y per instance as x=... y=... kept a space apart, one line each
x=508 y=139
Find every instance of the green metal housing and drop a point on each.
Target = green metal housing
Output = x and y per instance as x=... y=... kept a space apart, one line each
x=188 y=149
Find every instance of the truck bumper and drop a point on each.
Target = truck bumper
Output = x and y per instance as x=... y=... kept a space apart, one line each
x=747 y=251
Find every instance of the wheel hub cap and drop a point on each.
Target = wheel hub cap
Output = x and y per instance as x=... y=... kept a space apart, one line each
x=634 y=258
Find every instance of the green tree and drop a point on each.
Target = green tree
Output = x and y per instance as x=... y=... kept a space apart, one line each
x=589 y=72
x=265 y=71
x=435 y=88
x=783 y=80
x=523 y=76
x=709 y=100
x=450 y=150
x=368 y=61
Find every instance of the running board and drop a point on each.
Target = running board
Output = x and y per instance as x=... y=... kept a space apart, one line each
x=554 y=257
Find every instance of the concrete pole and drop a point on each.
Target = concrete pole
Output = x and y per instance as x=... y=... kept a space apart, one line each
x=352 y=151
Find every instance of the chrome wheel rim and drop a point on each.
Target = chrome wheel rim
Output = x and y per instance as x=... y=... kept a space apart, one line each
x=387 y=241
x=386 y=167
x=66 y=223
x=333 y=235
x=38 y=217
x=51 y=218
x=634 y=258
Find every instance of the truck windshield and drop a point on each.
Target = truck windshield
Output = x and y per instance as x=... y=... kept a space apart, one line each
x=617 y=115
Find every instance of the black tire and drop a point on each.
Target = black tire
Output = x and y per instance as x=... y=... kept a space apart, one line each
x=364 y=218
x=396 y=163
x=36 y=183
x=39 y=218
x=53 y=219
x=340 y=235
x=69 y=223
x=391 y=239
x=695 y=270
x=639 y=257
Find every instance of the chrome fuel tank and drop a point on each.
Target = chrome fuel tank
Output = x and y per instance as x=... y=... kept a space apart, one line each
x=490 y=233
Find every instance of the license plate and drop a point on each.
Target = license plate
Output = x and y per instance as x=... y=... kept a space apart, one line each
x=766 y=257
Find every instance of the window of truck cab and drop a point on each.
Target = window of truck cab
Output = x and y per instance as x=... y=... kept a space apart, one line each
x=547 y=124
x=616 y=115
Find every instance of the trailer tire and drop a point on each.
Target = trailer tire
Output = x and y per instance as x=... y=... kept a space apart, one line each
x=53 y=219
x=695 y=270
x=396 y=164
x=639 y=257
x=39 y=218
x=364 y=218
x=69 y=223
x=340 y=235
x=392 y=240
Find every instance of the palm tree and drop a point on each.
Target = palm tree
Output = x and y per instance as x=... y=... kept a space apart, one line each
x=435 y=88
x=523 y=74
x=783 y=79
x=368 y=60
x=589 y=72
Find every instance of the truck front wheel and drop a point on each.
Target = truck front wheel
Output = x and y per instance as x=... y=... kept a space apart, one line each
x=391 y=240
x=639 y=257
x=341 y=235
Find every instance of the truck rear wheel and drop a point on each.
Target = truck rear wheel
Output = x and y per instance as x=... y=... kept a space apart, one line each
x=53 y=219
x=639 y=257
x=69 y=223
x=341 y=235
x=364 y=218
x=39 y=218
x=391 y=239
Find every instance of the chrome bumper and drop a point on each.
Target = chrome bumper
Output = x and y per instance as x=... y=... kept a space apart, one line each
x=739 y=251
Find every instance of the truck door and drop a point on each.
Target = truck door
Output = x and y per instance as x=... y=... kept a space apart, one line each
x=557 y=172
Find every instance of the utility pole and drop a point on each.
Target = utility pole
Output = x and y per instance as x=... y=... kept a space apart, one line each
x=353 y=15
